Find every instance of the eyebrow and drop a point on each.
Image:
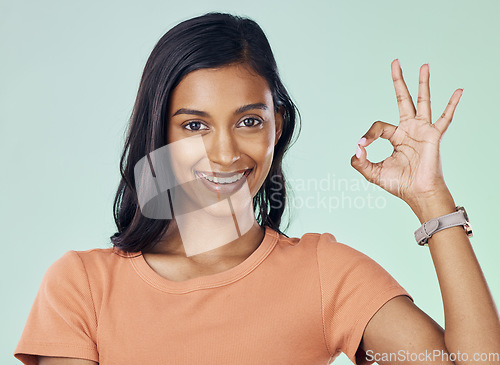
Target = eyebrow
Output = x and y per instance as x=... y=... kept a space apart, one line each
x=240 y=110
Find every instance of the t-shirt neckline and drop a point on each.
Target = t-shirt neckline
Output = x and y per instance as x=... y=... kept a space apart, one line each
x=154 y=279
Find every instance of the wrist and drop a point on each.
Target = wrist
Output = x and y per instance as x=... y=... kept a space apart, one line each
x=433 y=207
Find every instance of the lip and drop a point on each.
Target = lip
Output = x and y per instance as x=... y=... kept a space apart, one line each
x=223 y=189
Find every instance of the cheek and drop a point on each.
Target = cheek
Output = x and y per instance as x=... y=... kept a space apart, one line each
x=262 y=153
x=184 y=154
x=265 y=150
x=267 y=158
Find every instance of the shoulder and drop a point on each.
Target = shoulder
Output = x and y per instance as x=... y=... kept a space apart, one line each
x=338 y=259
x=82 y=278
x=72 y=260
x=309 y=238
x=83 y=267
x=102 y=257
x=325 y=243
x=331 y=255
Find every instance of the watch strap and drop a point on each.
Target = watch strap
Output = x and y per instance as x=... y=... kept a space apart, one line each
x=426 y=230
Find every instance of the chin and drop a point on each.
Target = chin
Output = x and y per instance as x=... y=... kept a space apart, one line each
x=237 y=204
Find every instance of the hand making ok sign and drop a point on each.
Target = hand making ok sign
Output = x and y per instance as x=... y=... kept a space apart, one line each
x=413 y=171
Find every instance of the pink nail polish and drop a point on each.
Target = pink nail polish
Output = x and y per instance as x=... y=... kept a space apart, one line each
x=358 y=152
x=362 y=141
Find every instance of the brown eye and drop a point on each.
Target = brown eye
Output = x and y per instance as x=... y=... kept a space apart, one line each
x=195 y=126
x=250 y=122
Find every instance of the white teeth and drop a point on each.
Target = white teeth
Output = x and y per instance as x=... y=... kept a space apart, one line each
x=223 y=180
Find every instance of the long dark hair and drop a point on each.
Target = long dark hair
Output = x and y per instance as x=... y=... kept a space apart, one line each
x=209 y=41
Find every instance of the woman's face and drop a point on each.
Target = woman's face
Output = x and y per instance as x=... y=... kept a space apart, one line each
x=229 y=114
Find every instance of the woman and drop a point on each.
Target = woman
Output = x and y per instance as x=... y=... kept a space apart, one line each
x=200 y=270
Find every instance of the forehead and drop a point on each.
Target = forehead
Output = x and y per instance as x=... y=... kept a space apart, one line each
x=221 y=87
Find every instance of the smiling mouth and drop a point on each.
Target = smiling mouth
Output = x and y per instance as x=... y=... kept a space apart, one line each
x=223 y=178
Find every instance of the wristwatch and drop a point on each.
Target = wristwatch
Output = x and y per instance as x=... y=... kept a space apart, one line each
x=458 y=218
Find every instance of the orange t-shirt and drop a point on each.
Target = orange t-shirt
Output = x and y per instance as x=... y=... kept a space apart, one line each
x=292 y=301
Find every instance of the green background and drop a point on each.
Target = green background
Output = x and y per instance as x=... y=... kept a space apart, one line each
x=69 y=76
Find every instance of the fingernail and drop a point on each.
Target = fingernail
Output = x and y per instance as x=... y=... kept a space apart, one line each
x=358 y=152
x=399 y=63
x=362 y=141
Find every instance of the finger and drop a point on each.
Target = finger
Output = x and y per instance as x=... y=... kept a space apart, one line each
x=405 y=102
x=444 y=121
x=424 y=94
x=378 y=129
x=360 y=161
x=365 y=167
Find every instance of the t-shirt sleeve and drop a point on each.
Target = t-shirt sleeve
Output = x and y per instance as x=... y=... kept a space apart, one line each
x=353 y=288
x=62 y=321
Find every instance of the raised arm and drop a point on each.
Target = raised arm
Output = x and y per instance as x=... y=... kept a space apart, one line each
x=413 y=173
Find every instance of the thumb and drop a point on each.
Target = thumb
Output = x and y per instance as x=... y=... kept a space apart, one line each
x=362 y=164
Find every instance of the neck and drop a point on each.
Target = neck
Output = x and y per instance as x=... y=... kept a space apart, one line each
x=207 y=239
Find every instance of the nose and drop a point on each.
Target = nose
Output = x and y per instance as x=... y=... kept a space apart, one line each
x=222 y=148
